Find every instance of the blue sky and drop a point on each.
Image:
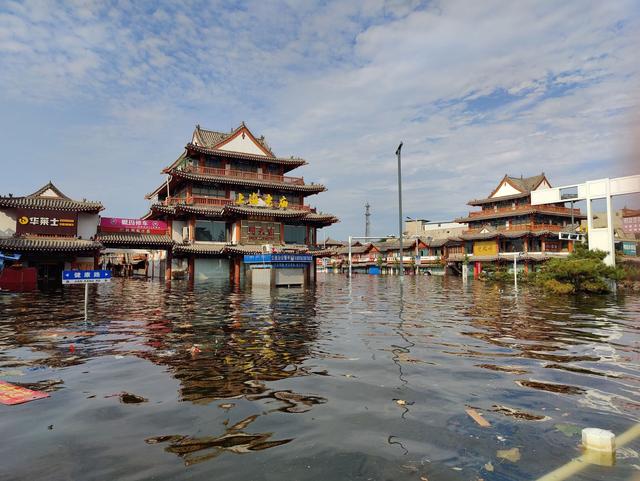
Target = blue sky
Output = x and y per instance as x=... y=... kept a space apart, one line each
x=100 y=96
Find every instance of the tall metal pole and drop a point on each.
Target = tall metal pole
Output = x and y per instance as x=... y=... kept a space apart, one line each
x=349 y=257
x=367 y=214
x=398 y=153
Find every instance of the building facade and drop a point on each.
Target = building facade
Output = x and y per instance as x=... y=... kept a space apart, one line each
x=226 y=196
x=50 y=231
x=507 y=224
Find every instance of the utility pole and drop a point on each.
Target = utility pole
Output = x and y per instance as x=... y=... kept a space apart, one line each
x=367 y=223
x=398 y=153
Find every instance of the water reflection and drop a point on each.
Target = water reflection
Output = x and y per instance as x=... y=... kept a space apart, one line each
x=359 y=379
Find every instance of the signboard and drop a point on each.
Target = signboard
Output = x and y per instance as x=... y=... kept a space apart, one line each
x=258 y=232
x=485 y=248
x=629 y=248
x=44 y=221
x=278 y=258
x=119 y=224
x=86 y=277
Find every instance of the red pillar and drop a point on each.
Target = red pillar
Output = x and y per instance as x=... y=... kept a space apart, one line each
x=167 y=271
x=191 y=268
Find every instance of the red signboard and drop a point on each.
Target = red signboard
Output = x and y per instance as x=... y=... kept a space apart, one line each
x=49 y=222
x=118 y=224
x=11 y=394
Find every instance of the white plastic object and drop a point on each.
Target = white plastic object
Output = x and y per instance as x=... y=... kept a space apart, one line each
x=597 y=439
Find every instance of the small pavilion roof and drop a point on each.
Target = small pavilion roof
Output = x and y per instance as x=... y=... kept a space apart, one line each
x=51 y=198
x=48 y=244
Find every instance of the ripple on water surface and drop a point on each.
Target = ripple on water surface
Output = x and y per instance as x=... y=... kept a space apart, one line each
x=341 y=381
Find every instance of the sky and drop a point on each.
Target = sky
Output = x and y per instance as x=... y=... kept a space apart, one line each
x=98 y=97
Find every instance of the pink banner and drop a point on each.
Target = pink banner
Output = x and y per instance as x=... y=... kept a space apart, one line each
x=118 y=224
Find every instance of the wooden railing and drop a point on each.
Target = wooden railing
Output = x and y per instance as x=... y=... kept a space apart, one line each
x=521 y=227
x=520 y=208
x=241 y=174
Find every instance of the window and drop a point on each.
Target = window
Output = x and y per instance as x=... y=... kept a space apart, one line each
x=209 y=191
x=209 y=230
x=244 y=166
x=295 y=234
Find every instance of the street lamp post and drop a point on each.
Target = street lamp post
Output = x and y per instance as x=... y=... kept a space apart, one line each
x=398 y=153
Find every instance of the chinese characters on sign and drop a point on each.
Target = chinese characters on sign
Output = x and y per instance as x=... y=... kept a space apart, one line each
x=485 y=248
x=42 y=221
x=117 y=224
x=86 y=277
x=257 y=232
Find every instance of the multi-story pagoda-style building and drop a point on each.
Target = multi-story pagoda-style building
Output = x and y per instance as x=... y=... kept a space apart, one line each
x=228 y=196
x=507 y=223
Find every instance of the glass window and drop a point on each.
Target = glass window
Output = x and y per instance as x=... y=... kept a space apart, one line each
x=209 y=230
x=295 y=234
x=209 y=191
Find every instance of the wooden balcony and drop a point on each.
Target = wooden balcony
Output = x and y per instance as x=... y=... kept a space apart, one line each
x=241 y=174
x=525 y=208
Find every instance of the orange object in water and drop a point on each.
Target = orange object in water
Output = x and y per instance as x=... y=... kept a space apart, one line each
x=11 y=394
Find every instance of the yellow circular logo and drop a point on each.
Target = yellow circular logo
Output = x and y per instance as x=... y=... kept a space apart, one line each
x=23 y=220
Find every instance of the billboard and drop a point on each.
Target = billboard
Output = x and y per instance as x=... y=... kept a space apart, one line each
x=46 y=221
x=485 y=248
x=259 y=232
x=119 y=224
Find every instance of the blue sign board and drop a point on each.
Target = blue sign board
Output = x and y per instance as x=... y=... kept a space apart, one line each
x=86 y=277
x=278 y=258
x=629 y=248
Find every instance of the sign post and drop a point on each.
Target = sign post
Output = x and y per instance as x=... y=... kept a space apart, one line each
x=86 y=278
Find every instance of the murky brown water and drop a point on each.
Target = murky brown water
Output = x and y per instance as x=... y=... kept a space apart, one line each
x=337 y=382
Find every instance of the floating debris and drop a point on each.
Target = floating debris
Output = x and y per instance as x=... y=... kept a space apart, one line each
x=569 y=430
x=48 y=385
x=128 y=398
x=11 y=394
x=512 y=454
x=226 y=405
x=477 y=417
x=489 y=467
x=518 y=414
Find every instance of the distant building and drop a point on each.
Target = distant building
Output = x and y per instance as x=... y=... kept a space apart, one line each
x=630 y=220
x=435 y=230
x=507 y=223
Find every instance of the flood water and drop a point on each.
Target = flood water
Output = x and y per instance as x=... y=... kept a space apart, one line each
x=362 y=381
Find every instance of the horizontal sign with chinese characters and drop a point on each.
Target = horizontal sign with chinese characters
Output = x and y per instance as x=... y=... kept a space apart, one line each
x=278 y=258
x=43 y=221
x=118 y=224
x=258 y=232
x=86 y=277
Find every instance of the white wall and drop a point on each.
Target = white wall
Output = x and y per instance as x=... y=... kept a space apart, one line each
x=88 y=225
x=176 y=230
x=504 y=190
x=245 y=145
x=7 y=222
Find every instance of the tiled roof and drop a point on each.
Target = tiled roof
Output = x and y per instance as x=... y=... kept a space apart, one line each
x=293 y=162
x=527 y=184
x=490 y=200
x=506 y=234
x=516 y=213
x=205 y=210
x=134 y=240
x=264 y=211
x=198 y=248
x=222 y=179
x=211 y=138
x=60 y=202
x=320 y=217
x=48 y=244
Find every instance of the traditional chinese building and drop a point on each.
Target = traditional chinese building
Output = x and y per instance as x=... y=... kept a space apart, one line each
x=507 y=223
x=228 y=195
x=50 y=231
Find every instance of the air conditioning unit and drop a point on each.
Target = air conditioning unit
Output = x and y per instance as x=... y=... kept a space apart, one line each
x=185 y=233
x=267 y=248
